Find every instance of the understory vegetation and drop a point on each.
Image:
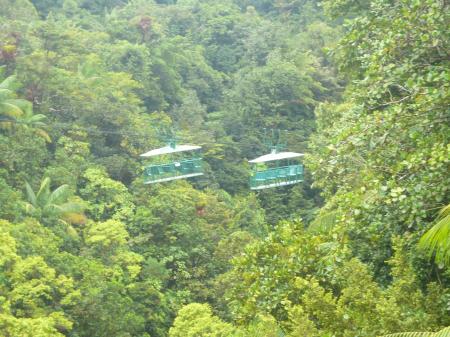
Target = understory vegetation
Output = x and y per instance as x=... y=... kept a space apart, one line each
x=360 y=248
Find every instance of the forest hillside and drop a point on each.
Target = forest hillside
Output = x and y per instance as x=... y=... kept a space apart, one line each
x=359 y=248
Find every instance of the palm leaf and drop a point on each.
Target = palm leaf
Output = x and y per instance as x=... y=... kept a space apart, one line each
x=71 y=207
x=10 y=110
x=72 y=232
x=8 y=82
x=59 y=195
x=412 y=334
x=29 y=208
x=43 y=134
x=443 y=333
x=31 y=196
x=22 y=104
x=43 y=194
x=436 y=241
x=35 y=119
x=64 y=209
x=6 y=94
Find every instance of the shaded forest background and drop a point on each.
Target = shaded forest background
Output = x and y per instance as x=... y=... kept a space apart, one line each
x=87 y=250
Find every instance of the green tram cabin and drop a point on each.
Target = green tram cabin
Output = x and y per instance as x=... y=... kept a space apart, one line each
x=173 y=162
x=275 y=170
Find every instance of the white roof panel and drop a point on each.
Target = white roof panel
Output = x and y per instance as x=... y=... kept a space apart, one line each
x=276 y=156
x=169 y=149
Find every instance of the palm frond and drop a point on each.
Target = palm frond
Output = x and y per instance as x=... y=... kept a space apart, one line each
x=70 y=208
x=29 y=208
x=44 y=191
x=43 y=134
x=443 y=333
x=31 y=196
x=65 y=208
x=59 y=195
x=412 y=334
x=72 y=232
x=6 y=94
x=22 y=104
x=445 y=211
x=436 y=241
x=63 y=211
x=38 y=118
x=8 y=82
x=10 y=110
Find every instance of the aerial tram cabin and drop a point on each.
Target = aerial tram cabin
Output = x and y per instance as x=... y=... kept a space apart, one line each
x=173 y=162
x=277 y=168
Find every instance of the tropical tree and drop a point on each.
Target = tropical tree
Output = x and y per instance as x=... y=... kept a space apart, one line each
x=19 y=111
x=436 y=241
x=53 y=204
x=11 y=107
x=35 y=122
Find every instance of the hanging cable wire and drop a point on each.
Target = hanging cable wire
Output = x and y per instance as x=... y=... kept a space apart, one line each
x=80 y=128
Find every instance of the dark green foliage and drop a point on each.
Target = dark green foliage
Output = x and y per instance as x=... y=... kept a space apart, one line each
x=88 y=250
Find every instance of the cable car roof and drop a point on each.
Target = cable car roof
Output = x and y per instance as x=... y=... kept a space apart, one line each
x=276 y=156
x=169 y=149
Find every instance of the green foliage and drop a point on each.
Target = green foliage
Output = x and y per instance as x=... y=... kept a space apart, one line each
x=181 y=227
x=265 y=276
x=111 y=197
x=18 y=9
x=70 y=160
x=313 y=289
x=370 y=156
x=35 y=295
x=442 y=333
x=197 y=320
x=10 y=201
x=17 y=149
x=364 y=94
x=105 y=238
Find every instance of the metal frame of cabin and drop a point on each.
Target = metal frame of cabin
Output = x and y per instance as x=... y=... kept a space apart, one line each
x=173 y=170
x=277 y=176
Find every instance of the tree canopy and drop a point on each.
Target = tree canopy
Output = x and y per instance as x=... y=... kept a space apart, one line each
x=359 y=248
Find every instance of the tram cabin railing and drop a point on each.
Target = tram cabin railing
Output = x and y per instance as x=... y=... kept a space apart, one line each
x=279 y=176
x=178 y=169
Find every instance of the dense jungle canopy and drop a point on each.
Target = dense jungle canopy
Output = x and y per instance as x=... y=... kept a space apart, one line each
x=360 y=248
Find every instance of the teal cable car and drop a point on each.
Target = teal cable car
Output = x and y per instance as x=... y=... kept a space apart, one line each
x=173 y=162
x=277 y=168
